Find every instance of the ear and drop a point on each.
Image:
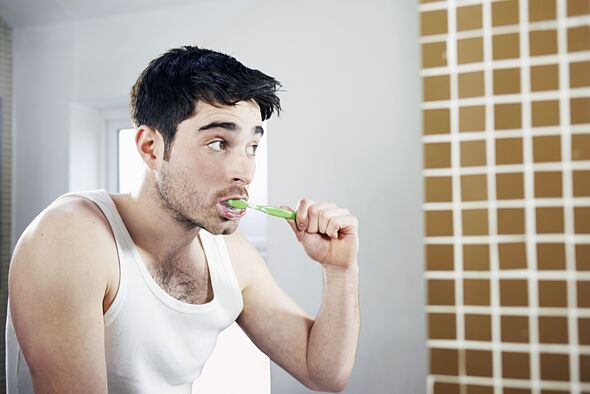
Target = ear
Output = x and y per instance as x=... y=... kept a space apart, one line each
x=150 y=146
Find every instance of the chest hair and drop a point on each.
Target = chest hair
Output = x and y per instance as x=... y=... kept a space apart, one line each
x=182 y=281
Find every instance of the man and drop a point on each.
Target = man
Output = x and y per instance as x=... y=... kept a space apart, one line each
x=126 y=293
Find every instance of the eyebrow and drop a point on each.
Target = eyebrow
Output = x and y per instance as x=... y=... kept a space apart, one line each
x=229 y=126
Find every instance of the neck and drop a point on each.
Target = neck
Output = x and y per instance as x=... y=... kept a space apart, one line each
x=153 y=229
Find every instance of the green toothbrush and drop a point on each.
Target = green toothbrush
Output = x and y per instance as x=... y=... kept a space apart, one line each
x=273 y=211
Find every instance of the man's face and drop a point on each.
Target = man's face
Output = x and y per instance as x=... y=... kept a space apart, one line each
x=212 y=160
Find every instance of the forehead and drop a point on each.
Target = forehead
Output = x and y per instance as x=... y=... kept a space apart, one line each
x=243 y=112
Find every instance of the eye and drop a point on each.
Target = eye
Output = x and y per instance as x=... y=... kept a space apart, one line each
x=251 y=150
x=217 y=145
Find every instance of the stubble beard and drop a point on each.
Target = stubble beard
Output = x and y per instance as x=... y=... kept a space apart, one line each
x=182 y=204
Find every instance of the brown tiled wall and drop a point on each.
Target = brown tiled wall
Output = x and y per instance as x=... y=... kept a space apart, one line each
x=506 y=133
x=5 y=173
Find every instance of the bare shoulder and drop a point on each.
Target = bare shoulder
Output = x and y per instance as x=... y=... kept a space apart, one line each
x=59 y=278
x=245 y=258
x=70 y=240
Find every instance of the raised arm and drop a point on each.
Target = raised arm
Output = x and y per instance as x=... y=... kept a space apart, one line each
x=318 y=352
x=59 y=276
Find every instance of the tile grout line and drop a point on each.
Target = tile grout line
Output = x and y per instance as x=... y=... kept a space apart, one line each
x=565 y=121
x=492 y=208
x=530 y=210
x=456 y=186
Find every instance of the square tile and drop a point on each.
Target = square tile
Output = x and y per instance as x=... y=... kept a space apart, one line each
x=505 y=46
x=436 y=121
x=581 y=179
x=434 y=54
x=549 y=220
x=514 y=390
x=470 y=50
x=582 y=220
x=542 y=10
x=439 y=257
x=505 y=13
x=472 y=118
x=508 y=151
x=580 y=109
x=548 y=184
x=471 y=84
x=473 y=153
x=442 y=326
x=476 y=389
x=476 y=257
x=507 y=116
x=515 y=365
x=439 y=223
x=433 y=22
x=581 y=147
x=478 y=327
x=446 y=388
x=555 y=366
x=544 y=77
x=509 y=186
x=476 y=292
x=546 y=148
x=551 y=256
x=438 y=189
x=542 y=42
x=474 y=221
x=436 y=88
x=441 y=292
x=478 y=363
x=514 y=292
x=553 y=329
x=578 y=38
x=511 y=221
x=474 y=188
x=583 y=291
x=579 y=74
x=437 y=155
x=584 y=331
x=512 y=255
x=515 y=328
x=578 y=7
x=545 y=113
x=552 y=293
x=584 y=368
x=506 y=81
x=583 y=257
x=469 y=17
x=444 y=361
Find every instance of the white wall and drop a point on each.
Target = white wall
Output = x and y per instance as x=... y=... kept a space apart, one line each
x=349 y=134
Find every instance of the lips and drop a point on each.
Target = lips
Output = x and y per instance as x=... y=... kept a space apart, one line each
x=228 y=212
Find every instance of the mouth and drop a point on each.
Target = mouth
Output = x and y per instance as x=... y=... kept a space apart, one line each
x=228 y=212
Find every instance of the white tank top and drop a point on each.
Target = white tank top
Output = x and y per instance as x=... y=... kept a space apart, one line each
x=154 y=343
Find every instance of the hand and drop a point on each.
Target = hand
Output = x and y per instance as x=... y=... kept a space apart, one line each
x=328 y=234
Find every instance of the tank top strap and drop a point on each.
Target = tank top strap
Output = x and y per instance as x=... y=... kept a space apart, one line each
x=104 y=202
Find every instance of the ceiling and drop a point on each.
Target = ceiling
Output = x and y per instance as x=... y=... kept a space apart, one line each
x=26 y=13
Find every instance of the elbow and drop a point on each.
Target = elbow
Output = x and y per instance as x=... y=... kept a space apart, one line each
x=337 y=387
x=333 y=385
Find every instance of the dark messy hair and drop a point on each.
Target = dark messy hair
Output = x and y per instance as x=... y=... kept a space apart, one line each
x=168 y=90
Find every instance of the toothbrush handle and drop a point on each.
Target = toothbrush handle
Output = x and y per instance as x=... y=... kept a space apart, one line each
x=278 y=212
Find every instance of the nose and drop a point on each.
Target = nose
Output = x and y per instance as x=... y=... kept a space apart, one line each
x=241 y=168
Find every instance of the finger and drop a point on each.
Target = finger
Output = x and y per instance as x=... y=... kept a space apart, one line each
x=327 y=214
x=298 y=233
x=313 y=214
x=302 y=217
x=342 y=225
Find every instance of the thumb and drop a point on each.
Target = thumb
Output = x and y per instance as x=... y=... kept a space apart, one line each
x=298 y=233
